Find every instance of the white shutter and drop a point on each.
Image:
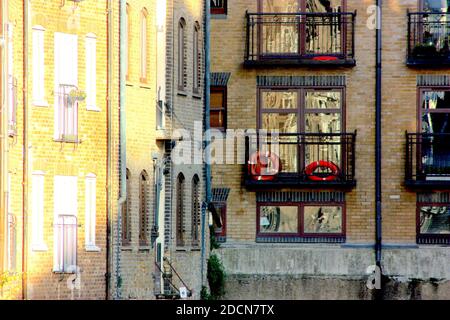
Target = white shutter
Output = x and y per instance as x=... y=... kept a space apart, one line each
x=90 y=218
x=10 y=73
x=38 y=67
x=37 y=212
x=91 y=72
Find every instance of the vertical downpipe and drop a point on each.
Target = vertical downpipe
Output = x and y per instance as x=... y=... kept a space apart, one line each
x=207 y=133
x=25 y=152
x=378 y=137
x=123 y=150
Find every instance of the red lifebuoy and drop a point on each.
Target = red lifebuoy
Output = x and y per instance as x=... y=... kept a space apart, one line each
x=310 y=169
x=259 y=169
x=325 y=58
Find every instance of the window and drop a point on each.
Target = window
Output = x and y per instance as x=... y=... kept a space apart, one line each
x=126 y=214
x=66 y=90
x=91 y=212
x=197 y=71
x=182 y=72
x=144 y=208
x=434 y=6
x=220 y=227
x=434 y=123
x=37 y=212
x=218 y=6
x=144 y=45
x=180 y=216
x=195 y=211
x=300 y=220
x=39 y=67
x=307 y=111
x=91 y=72
x=128 y=40
x=12 y=86
x=65 y=224
x=433 y=218
x=219 y=108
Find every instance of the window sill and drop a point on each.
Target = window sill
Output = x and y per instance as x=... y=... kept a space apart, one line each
x=143 y=86
x=126 y=248
x=40 y=103
x=181 y=249
x=197 y=96
x=93 y=108
x=182 y=93
x=93 y=248
x=145 y=248
x=39 y=247
x=67 y=141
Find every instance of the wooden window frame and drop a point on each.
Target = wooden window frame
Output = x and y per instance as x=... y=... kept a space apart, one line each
x=144 y=45
x=223 y=10
x=180 y=210
x=224 y=91
x=300 y=219
x=182 y=57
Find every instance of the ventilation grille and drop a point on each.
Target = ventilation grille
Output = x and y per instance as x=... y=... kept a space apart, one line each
x=319 y=197
x=220 y=194
x=301 y=81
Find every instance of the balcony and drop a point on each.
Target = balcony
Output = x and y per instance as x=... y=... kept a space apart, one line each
x=428 y=39
x=427 y=161
x=300 y=160
x=300 y=39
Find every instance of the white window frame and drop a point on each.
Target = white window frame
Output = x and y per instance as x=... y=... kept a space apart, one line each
x=37 y=212
x=39 y=67
x=90 y=212
x=65 y=209
x=91 y=72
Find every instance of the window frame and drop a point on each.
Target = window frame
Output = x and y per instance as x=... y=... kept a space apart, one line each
x=144 y=47
x=221 y=237
x=425 y=238
x=300 y=220
x=126 y=232
x=144 y=209
x=180 y=210
x=196 y=58
x=195 y=211
x=182 y=57
x=420 y=110
x=224 y=90
x=220 y=11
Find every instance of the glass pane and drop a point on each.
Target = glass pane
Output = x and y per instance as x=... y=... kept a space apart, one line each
x=217 y=119
x=435 y=220
x=436 y=100
x=287 y=149
x=280 y=33
x=322 y=220
x=436 y=123
x=436 y=5
x=279 y=100
x=323 y=100
x=324 y=6
x=278 y=220
x=323 y=123
x=217 y=100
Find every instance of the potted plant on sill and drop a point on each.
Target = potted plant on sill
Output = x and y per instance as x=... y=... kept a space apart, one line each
x=76 y=95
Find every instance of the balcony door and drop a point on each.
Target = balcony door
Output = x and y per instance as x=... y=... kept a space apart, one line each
x=301 y=27
x=308 y=121
x=435 y=127
x=435 y=25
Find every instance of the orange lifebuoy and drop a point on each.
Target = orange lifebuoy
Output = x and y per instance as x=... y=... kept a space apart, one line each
x=310 y=169
x=259 y=169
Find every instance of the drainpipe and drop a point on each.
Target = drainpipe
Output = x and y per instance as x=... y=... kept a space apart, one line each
x=109 y=261
x=207 y=132
x=378 y=138
x=25 y=153
x=122 y=143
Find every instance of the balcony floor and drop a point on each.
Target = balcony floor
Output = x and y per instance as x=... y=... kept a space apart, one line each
x=295 y=182
x=299 y=62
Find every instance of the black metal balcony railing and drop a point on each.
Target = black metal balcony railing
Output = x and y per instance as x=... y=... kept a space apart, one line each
x=300 y=39
x=428 y=160
x=428 y=39
x=67 y=114
x=305 y=160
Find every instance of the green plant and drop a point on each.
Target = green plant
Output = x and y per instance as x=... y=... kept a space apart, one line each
x=204 y=294
x=77 y=95
x=216 y=277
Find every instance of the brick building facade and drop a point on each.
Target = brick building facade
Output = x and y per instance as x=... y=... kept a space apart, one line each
x=307 y=69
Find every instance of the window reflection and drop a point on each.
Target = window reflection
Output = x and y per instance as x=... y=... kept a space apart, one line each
x=322 y=219
x=279 y=219
x=435 y=220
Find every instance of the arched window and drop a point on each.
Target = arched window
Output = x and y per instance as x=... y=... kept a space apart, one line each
x=128 y=39
x=144 y=208
x=180 y=190
x=197 y=71
x=144 y=44
x=195 y=211
x=126 y=214
x=182 y=76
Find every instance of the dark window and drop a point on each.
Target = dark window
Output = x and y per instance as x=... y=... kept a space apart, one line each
x=182 y=71
x=301 y=220
x=197 y=66
x=219 y=108
x=220 y=227
x=433 y=219
x=195 y=211
x=218 y=6
x=144 y=208
x=126 y=214
x=180 y=214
